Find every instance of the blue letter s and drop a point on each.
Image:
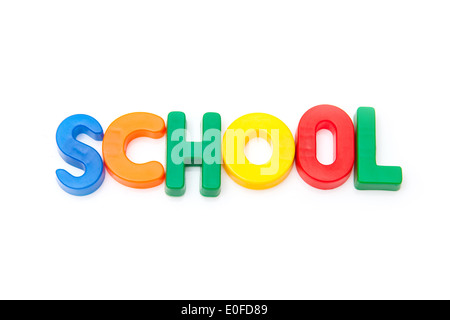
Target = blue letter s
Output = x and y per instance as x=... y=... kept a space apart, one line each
x=80 y=155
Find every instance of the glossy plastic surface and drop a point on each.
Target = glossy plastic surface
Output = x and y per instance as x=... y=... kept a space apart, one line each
x=341 y=126
x=80 y=155
x=119 y=134
x=369 y=175
x=276 y=133
x=182 y=153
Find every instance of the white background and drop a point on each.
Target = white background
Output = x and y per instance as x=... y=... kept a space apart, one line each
x=108 y=58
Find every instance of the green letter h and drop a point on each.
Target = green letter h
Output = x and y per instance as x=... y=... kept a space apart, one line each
x=182 y=153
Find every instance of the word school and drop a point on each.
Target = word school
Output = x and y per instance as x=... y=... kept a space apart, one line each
x=355 y=146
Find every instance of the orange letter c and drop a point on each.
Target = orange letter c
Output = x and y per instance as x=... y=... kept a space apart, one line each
x=115 y=142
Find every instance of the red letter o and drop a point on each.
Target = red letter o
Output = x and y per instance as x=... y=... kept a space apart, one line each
x=341 y=126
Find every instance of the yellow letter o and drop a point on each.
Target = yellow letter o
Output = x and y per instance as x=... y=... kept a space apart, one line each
x=275 y=132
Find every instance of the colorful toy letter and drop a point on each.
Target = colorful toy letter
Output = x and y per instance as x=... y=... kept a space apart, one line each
x=275 y=132
x=80 y=155
x=341 y=126
x=181 y=153
x=368 y=175
x=119 y=134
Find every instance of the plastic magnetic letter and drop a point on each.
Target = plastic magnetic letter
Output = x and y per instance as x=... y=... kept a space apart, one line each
x=309 y=168
x=269 y=128
x=368 y=175
x=80 y=155
x=181 y=153
x=117 y=137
